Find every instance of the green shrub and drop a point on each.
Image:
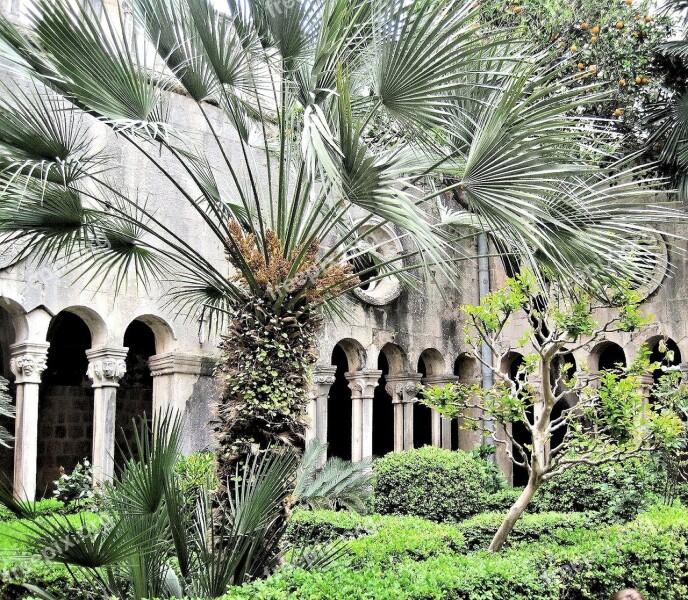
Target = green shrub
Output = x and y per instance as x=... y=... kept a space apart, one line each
x=16 y=568
x=649 y=554
x=375 y=538
x=319 y=526
x=197 y=471
x=433 y=483
x=42 y=507
x=618 y=490
x=502 y=500
x=76 y=486
x=478 y=531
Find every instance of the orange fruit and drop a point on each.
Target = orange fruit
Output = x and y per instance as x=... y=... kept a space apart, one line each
x=581 y=66
x=648 y=19
x=618 y=112
x=592 y=68
x=518 y=9
x=645 y=80
x=574 y=48
x=638 y=80
x=593 y=39
x=638 y=17
x=584 y=26
x=622 y=82
x=629 y=2
x=619 y=24
x=595 y=30
x=475 y=24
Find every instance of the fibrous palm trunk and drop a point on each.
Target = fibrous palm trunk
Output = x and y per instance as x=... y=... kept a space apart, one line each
x=267 y=355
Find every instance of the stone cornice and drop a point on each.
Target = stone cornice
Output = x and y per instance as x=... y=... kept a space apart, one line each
x=178 y=363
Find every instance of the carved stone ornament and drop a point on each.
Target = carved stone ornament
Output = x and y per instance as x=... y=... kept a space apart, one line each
x=324 y=379
x=28 y=367
x=106 y=371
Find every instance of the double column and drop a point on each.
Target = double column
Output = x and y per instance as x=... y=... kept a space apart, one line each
x=362 y=385
x=106 y=366
x=404 y=391
x=441 y=426
x=27 y=362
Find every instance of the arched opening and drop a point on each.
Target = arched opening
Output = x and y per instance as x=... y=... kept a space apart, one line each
x=383 y=408
x=607 y=356
x=467 y=369
x=7 y=337
x=563 y=370
x=339 y=408
x=135 y=393
x=422 y=415
x=65 y=415
x=664 y=351
x=511 y=365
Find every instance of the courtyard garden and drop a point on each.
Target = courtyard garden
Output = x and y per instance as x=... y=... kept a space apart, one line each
x=273 y=143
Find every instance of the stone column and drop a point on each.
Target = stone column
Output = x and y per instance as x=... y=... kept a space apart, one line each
x=403 y=387
x=27 y=362
x=179 y=380
x=323 y=378
x=106 y=366
x=441 y=426
x=468 y=438
x=362 y=385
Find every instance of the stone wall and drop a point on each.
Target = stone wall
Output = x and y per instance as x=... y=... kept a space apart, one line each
x=65 y=430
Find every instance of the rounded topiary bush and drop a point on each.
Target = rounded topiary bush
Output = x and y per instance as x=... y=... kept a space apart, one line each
x=435 y=484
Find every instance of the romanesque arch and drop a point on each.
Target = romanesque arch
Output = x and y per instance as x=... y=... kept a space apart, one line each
x=391 y=361
x=606 y=356
x=511 y=365
x=430 y=364
x=65 y=417
x=135 y=393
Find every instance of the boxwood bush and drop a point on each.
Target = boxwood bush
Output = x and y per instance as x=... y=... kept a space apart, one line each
x=619 y=490
x=650 y=554
x=436 y=484
x=478 y=531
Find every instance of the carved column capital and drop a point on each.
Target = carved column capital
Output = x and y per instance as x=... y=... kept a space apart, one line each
x=323 y=378
x=403 y=387
x=28 y=361
x=363 y=383
x=106 y=366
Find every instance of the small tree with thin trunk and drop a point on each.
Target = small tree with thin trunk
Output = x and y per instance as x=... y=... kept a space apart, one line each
x=606 y=416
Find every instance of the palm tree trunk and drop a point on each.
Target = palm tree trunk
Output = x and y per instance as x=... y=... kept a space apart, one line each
x=267 y=356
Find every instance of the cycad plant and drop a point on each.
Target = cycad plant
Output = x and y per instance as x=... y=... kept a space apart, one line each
x=336 y=484
x=348 y=116
x=155 y=540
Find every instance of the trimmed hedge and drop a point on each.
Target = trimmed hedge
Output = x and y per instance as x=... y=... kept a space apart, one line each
x=478 y=531
x=621 y=490
x=376 y=538
x=42 y=507
x=436 y=484
x=650 y=554
x=16 y=567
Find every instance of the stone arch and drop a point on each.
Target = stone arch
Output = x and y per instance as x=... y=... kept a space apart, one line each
x=605 y=356
x=510 y=366
x=348 y=355
x=355 y=353
x=670 y=358
x=433 y=362
x=135 y=393
x=467 y=368
x=163 y=332
x=396 y=358
x=430 y=364
x=16 y=316
x=94 y=322
x=390 y=361
x=65 y=417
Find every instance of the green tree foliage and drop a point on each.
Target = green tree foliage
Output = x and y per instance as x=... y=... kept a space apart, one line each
x=605 y=417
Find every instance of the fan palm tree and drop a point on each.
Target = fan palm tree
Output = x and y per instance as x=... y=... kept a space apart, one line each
x=364 y=113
